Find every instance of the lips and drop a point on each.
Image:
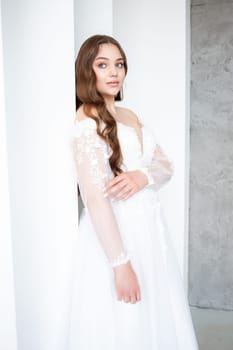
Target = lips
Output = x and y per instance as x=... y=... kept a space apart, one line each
x=113 y=83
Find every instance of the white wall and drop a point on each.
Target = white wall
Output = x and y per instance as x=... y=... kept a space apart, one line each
x=153 y=34
x=8 y=338
x=91 y=17
x=38 y=39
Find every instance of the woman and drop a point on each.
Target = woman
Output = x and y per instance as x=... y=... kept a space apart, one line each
x=127 y=293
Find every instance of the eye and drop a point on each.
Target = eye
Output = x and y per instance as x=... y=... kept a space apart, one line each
x=102 y=65
x=120 y=64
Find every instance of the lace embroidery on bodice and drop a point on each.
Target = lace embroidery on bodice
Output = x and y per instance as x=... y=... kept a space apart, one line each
x=88 y=145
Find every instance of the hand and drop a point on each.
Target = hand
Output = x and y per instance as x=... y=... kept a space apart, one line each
x=126 y=283
x=125 y=185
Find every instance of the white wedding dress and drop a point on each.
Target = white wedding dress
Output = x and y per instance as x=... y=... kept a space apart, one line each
x=111 y=232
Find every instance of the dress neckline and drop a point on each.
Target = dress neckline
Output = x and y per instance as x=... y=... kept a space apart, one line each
x=138 y=131
x=131 y=127
x=139 y=134
x=128 y=126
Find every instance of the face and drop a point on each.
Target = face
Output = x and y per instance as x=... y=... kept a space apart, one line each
x=109 y=70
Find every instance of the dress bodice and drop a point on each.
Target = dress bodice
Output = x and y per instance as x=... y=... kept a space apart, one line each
x=137 y=151
x=92 y=155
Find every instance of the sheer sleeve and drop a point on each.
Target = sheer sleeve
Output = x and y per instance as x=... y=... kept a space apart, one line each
x=160 y=170
x=91 y=155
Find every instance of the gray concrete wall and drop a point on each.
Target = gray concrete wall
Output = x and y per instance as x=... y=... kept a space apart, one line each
x=211 y=173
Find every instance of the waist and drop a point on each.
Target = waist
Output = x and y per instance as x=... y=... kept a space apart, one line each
x=144 y=198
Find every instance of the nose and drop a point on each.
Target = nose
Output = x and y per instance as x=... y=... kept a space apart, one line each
x=113 y=70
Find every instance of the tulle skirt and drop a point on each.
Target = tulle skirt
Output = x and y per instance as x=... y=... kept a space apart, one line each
x=161 y=320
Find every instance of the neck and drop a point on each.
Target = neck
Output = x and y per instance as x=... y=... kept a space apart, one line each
x=110 y=104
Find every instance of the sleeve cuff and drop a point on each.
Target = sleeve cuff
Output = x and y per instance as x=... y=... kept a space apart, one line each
x=123 y=258
x=149 y=177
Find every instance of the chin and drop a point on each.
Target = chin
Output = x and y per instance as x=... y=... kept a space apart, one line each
x=109 y=95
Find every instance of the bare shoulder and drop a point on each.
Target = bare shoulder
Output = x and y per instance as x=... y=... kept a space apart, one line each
x=128 y=115
x=81 y=115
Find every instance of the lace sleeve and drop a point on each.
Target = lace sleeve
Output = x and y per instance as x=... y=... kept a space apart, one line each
x=160 y=170
x=91 y=158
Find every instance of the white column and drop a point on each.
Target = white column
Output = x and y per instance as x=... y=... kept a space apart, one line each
x=91 y=17
x=153 y=34
x=8 y=336
x=38 y=38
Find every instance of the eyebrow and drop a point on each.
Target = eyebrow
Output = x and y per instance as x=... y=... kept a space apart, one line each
x=105 y=58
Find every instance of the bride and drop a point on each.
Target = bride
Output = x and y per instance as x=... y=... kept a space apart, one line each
x=128 y=292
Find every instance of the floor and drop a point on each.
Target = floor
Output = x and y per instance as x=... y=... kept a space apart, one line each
x=214 y=328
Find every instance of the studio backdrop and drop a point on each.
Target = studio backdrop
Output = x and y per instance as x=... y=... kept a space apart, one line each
x=40 y=42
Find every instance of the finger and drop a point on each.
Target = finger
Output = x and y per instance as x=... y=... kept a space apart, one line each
x=115 y=191
x=115 y=187
x=133 y=299
x=119 y=190
x=128 y=195
x=119 y=296
x=111 y=191
x=126 y=299
x=114 y=181
x=123 y=193
x=138 y=295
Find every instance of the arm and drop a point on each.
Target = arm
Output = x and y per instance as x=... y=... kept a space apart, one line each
x=91 y=158
x=160 y=170
x=157 y=173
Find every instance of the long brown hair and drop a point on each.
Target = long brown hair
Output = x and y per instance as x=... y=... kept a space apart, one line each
x=88 y=96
